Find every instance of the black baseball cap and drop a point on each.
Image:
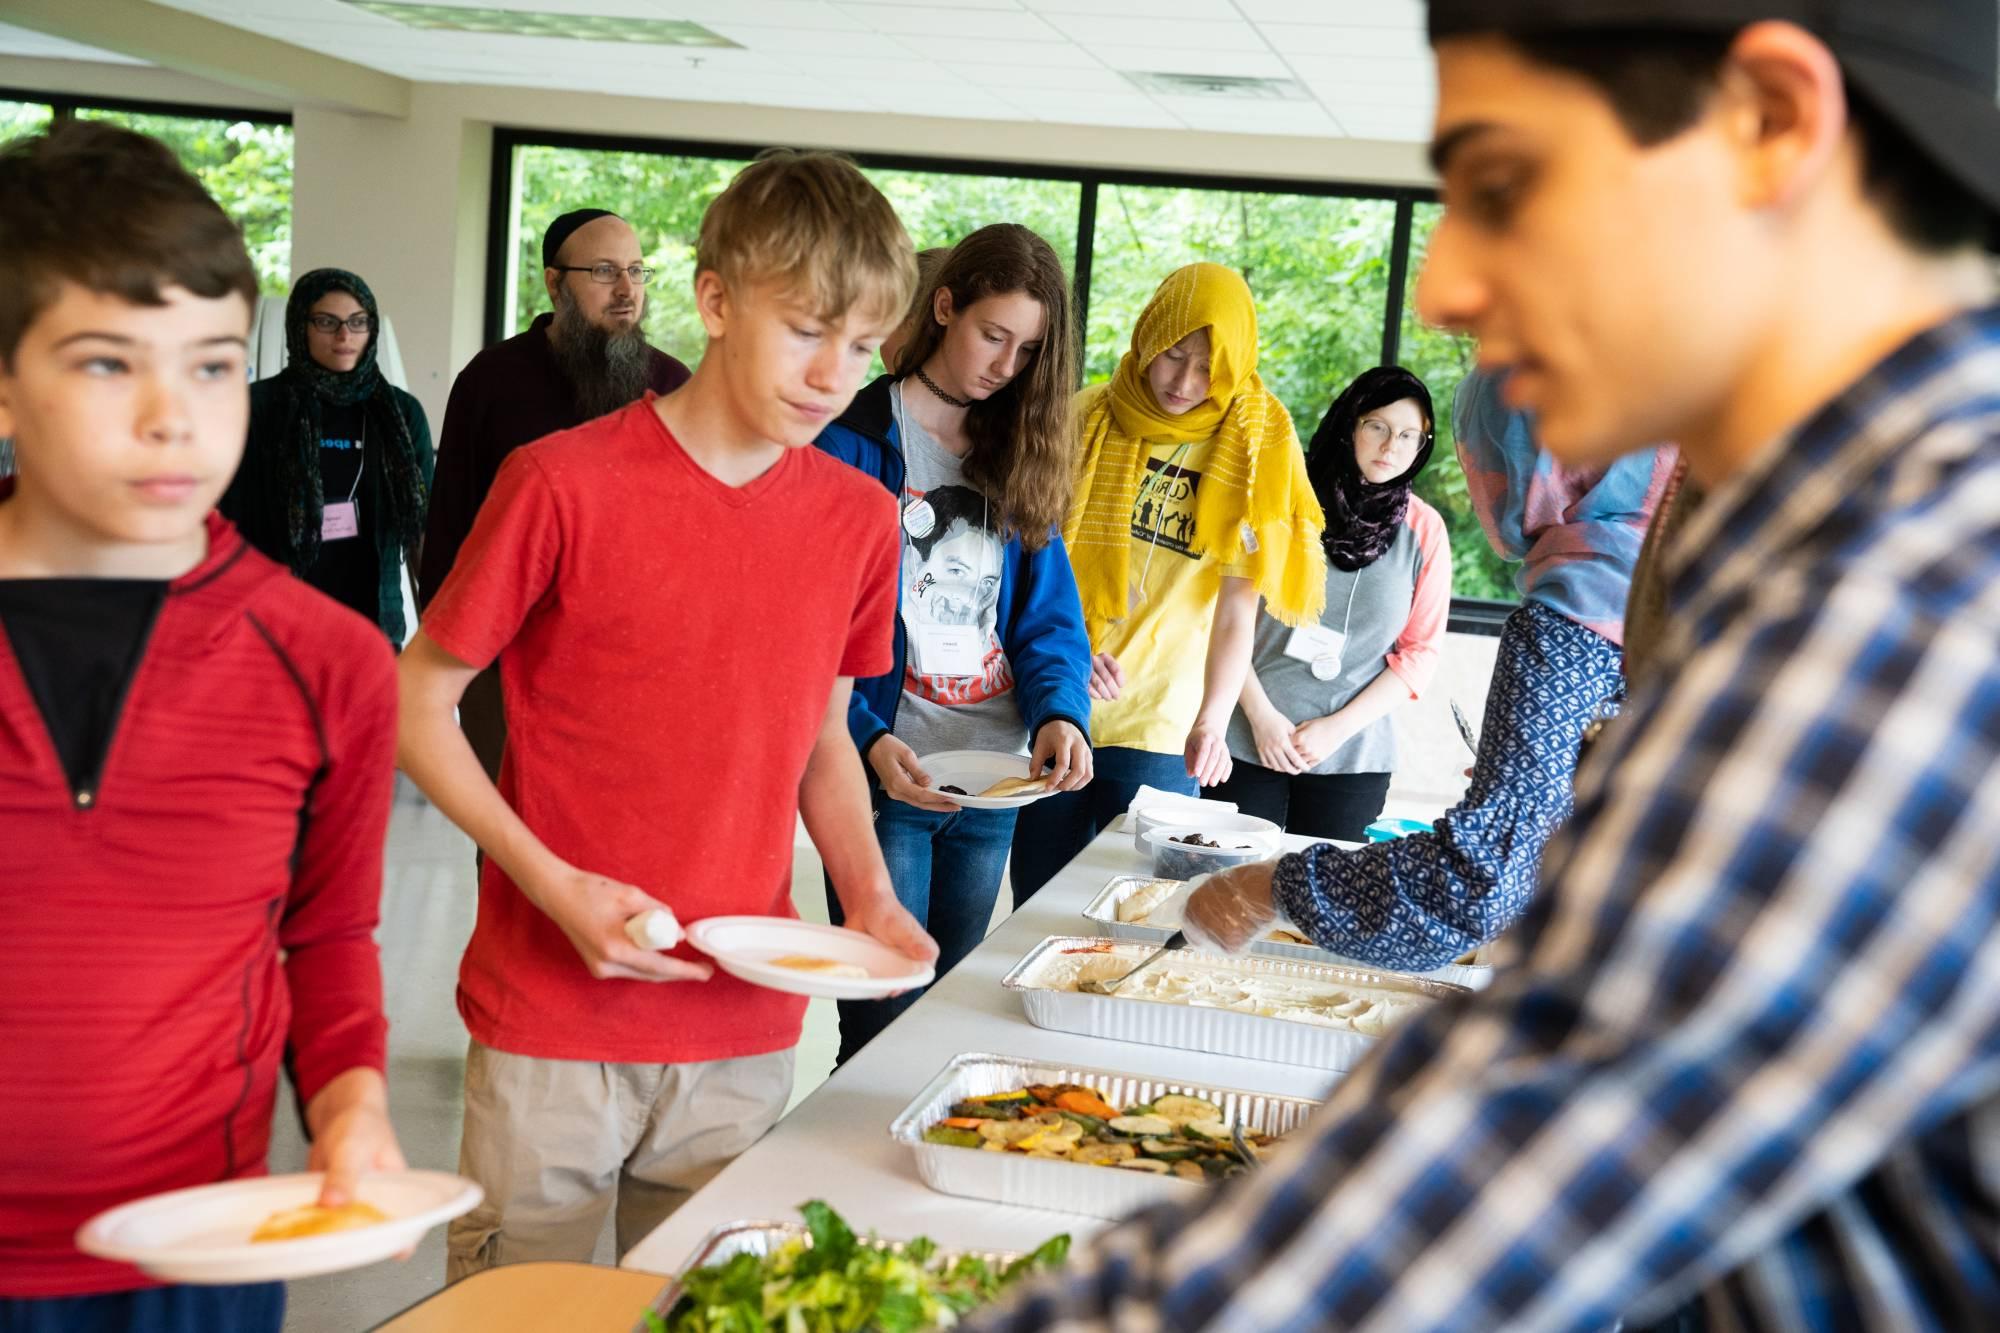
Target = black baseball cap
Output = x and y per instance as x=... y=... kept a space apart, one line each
x=564 y=227
x=1932 y=67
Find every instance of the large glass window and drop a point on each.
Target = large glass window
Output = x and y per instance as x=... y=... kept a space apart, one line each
x=246 y=165
x=1319 y=265
x=19 y=118
x=663 y=197
x=1441 y=360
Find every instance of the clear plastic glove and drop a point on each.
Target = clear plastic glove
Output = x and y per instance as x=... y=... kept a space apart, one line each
x=1230 y=910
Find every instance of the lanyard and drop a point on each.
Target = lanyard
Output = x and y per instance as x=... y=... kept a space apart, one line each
x=360 y=447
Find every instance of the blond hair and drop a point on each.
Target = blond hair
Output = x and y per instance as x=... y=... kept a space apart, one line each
x=814 y=222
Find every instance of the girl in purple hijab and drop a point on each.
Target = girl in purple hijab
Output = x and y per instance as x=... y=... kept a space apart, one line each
x=1419 y=902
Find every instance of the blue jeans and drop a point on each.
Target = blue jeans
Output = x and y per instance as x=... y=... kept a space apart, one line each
x=1051 y=832
x=946 y=869
x=258 y=1308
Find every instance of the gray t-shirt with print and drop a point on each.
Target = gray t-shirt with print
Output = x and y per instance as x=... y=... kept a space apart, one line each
x=1373 y=605
x=951 y=572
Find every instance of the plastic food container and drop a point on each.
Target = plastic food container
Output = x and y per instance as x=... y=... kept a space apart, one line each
x=1103 y=913
x=1067 y=1187
x=1388 y=830
x=1247 y=1036
x=1192 y=816
x=1180 y=860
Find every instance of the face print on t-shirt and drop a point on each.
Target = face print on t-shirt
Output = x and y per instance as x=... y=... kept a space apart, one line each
x=951 y=576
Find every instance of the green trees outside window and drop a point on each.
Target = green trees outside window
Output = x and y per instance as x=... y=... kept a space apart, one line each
x=246 y=165
x=1320 y=266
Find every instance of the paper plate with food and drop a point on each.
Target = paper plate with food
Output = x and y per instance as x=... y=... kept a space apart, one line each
x=272 y=1228
x=807 y=957
x=986 y=779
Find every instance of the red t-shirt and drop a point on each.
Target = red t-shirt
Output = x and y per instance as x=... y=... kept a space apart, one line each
x=668 y=645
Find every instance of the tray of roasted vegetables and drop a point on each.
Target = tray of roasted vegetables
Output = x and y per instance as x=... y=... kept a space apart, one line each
x=1076 y=1140
x=818 y=1276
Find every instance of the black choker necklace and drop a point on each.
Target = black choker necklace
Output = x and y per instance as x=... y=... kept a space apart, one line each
x=931 y=384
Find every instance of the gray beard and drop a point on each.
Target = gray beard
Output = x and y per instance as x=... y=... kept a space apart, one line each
x=605 y=370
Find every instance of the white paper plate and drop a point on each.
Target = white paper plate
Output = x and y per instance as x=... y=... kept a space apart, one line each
x=202 y=1235
x=743 y=946
x=976 y=770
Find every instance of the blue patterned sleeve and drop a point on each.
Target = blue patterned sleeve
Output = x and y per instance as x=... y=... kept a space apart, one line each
x=1419 y=902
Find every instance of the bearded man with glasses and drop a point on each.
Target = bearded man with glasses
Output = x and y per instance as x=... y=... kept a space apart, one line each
x=587 y=357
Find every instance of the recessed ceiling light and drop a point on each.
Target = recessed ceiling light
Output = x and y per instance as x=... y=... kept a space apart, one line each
x=1217 y=85
x=531 y=23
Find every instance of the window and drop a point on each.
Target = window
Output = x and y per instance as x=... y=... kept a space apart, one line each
x=246 y=165
x=1441 y=360
x=663 y=196
x=1321 y=264
x=19 y=118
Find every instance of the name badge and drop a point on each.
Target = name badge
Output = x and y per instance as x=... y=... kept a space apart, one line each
x=337 y=521
x=948 y=650
x=1318 y=647
x=919 y=519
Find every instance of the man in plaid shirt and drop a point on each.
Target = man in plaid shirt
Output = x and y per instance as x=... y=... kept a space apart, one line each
x=1742 y=1067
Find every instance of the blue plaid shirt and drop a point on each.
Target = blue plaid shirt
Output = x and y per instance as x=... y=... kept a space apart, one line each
x=1748 y=1055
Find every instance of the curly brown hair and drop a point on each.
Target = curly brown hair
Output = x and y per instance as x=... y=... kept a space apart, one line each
x=1023 y=437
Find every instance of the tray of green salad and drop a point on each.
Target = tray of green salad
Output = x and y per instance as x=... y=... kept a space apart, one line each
x=818 y=1276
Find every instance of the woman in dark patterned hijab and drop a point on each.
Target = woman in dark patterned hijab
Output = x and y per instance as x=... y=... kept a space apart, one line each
x=336 y=473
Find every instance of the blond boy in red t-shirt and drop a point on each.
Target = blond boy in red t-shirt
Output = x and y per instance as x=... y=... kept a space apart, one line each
x=679 y=595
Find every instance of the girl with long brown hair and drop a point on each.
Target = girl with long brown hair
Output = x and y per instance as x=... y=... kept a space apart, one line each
x=972 y=432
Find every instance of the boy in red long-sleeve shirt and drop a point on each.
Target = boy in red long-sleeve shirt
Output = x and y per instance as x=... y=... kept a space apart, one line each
x=195 y=754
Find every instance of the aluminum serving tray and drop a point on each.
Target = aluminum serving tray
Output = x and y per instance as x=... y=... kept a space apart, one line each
x=1066 y=1187
x=760 y=1238
x=1214 y=1031
x=1103 y=912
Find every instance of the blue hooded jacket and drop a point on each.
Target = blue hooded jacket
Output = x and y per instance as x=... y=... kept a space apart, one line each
x=1039 y=619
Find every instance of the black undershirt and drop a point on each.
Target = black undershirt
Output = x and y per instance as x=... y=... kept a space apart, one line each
x=347 y=570
x=79 y=643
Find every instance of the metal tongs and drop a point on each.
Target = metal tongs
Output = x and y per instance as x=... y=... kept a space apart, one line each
x=1178 y=940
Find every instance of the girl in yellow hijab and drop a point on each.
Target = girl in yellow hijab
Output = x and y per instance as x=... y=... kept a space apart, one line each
x=1191 y=503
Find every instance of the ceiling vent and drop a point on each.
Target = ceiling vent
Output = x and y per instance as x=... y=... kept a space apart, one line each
x=531 y=23
x=1235 y=86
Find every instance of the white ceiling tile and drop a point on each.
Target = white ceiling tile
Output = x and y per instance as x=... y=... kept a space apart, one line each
x=1033 y=78
x=1405 y=14
x=758 y=13
x=1299 y=39
x=1155 y=60
x=1014 y=25
x=1105 y=31
x=1088 y=109
x=1365 y=71
x=856 y=45
x=1156 y=11
x=1058 y=54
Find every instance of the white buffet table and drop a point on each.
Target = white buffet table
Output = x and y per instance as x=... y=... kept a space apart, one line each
x=835 y=1145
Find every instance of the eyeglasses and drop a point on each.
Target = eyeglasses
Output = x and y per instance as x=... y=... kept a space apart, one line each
x=357 y=323
x=1375 y=432
x=607 y=273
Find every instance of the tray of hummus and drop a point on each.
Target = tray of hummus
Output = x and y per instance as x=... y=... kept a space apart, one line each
x=1140 y=907
x=1273 y=1009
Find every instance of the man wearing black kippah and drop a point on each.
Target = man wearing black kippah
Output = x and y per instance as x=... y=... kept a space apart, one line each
x=586 y=358
x=1739 y=1066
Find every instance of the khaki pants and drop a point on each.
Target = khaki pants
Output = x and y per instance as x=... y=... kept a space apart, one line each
x=555 y=1142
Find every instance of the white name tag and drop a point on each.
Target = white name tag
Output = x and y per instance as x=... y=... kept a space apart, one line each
x=339 y=520
x=1318 y=647
x=948 y=650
